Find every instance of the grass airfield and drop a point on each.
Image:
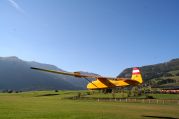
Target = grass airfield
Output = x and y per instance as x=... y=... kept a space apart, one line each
x=53 y=105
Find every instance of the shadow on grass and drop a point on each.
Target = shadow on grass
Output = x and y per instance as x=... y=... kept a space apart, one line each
x=46 y=95
x=160 y=117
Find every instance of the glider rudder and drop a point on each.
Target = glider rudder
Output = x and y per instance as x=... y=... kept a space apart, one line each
x=136 y=75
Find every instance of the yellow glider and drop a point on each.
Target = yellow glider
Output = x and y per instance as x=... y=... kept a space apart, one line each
x=103 y=82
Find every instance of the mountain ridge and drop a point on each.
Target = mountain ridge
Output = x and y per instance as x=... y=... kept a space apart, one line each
x=157 y=74
x=16 y=74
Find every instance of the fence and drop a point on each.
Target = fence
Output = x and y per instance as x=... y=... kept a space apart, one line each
x=132 y=100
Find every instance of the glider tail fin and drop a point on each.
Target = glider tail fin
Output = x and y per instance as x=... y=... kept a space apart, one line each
x=136 y=75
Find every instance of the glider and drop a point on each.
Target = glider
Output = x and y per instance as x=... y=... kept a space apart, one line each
x=101 y=82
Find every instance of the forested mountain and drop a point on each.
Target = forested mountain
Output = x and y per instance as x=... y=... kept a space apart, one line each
x=159 y=74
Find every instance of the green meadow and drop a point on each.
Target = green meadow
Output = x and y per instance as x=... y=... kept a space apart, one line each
x=54 y=105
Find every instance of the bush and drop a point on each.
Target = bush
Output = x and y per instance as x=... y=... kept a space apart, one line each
x=113 y=95
x=10 y=91
x=168 y=75
x=56 y=90
x=149 y=97
x=177 y=74
x=88 y=93
x=165 y=81
x=78 y=95
x=16 y=91
x=4 y=91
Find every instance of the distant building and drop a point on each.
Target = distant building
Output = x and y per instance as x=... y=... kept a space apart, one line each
x=174 y=90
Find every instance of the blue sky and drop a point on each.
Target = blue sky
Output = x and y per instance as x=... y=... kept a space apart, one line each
x=100 y=36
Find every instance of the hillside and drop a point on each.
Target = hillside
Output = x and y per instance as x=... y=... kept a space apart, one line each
x=163 y=74
x=16 y=74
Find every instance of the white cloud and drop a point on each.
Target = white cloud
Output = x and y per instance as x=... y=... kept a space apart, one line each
x=16 y=6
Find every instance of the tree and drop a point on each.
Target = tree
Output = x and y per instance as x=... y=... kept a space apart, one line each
x=177 y=74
